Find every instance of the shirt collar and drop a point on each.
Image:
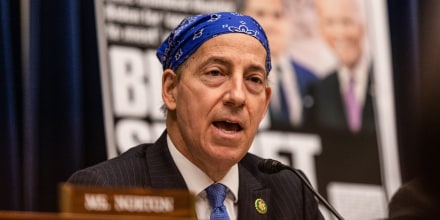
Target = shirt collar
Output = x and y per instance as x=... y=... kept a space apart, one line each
x=196 y=180
x=360 y=76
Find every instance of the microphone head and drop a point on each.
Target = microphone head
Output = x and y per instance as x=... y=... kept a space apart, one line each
x=270 y=166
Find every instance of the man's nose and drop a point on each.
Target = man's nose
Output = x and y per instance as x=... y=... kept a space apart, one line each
x=236 y=95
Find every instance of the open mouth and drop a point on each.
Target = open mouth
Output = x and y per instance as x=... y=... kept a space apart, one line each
x=228 y=126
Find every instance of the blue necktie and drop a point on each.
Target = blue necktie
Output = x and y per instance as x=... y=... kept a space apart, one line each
x=284 y=108
x=216 y=195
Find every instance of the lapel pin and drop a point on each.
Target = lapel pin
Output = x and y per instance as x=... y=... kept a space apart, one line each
x=260 y=206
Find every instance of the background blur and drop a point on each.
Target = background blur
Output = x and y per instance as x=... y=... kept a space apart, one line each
x=59 y=112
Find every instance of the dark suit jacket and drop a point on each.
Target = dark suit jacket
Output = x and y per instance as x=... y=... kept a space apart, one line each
x=329 y=110
x=151 y=165
x=305 y=79
x=345 y=156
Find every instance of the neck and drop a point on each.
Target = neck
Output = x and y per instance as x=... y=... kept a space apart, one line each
x=215 y=170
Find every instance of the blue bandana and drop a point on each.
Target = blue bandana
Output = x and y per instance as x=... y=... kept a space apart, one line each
x=193 y=31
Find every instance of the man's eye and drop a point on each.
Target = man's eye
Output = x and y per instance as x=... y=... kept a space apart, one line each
x=213 y=77
x=214 y=73
x=257 y=80
x=255 y=84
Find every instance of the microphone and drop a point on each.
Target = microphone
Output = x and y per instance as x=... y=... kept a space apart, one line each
x=270 y=166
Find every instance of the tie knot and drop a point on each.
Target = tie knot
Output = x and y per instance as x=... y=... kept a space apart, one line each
x=216 y=194
x=352 y=81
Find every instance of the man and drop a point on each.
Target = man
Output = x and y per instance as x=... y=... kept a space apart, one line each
x=291 y=98
x=344 y=113
x=344 y=98
x=214 y=88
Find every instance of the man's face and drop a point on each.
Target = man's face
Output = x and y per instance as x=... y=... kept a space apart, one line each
x=342 y=29
x=219 y=101
x=272 y=16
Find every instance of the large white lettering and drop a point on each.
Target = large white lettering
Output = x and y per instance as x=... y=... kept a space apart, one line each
x=153 y=68
x=287 y=146
x=131 y=132
x=128 y=82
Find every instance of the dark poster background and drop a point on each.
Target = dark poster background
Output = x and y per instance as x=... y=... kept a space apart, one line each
x=51 y=120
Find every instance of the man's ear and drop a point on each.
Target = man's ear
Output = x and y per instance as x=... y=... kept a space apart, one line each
x=169 y=83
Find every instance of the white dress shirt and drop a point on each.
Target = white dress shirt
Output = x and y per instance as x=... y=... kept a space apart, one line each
x=197 y=181
x=360 y=77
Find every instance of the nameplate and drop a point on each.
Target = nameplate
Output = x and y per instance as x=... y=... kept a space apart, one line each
x=126 y=201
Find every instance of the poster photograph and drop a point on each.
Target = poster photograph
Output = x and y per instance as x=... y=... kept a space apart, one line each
x=331 y=113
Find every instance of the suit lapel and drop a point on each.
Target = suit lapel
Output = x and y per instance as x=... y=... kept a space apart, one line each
x=164 y=174
x=161 y=167
x=250 y=190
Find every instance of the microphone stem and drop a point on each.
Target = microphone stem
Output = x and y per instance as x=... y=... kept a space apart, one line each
x=320 y=198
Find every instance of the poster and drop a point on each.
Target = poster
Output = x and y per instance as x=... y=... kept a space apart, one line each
x=348 y=151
